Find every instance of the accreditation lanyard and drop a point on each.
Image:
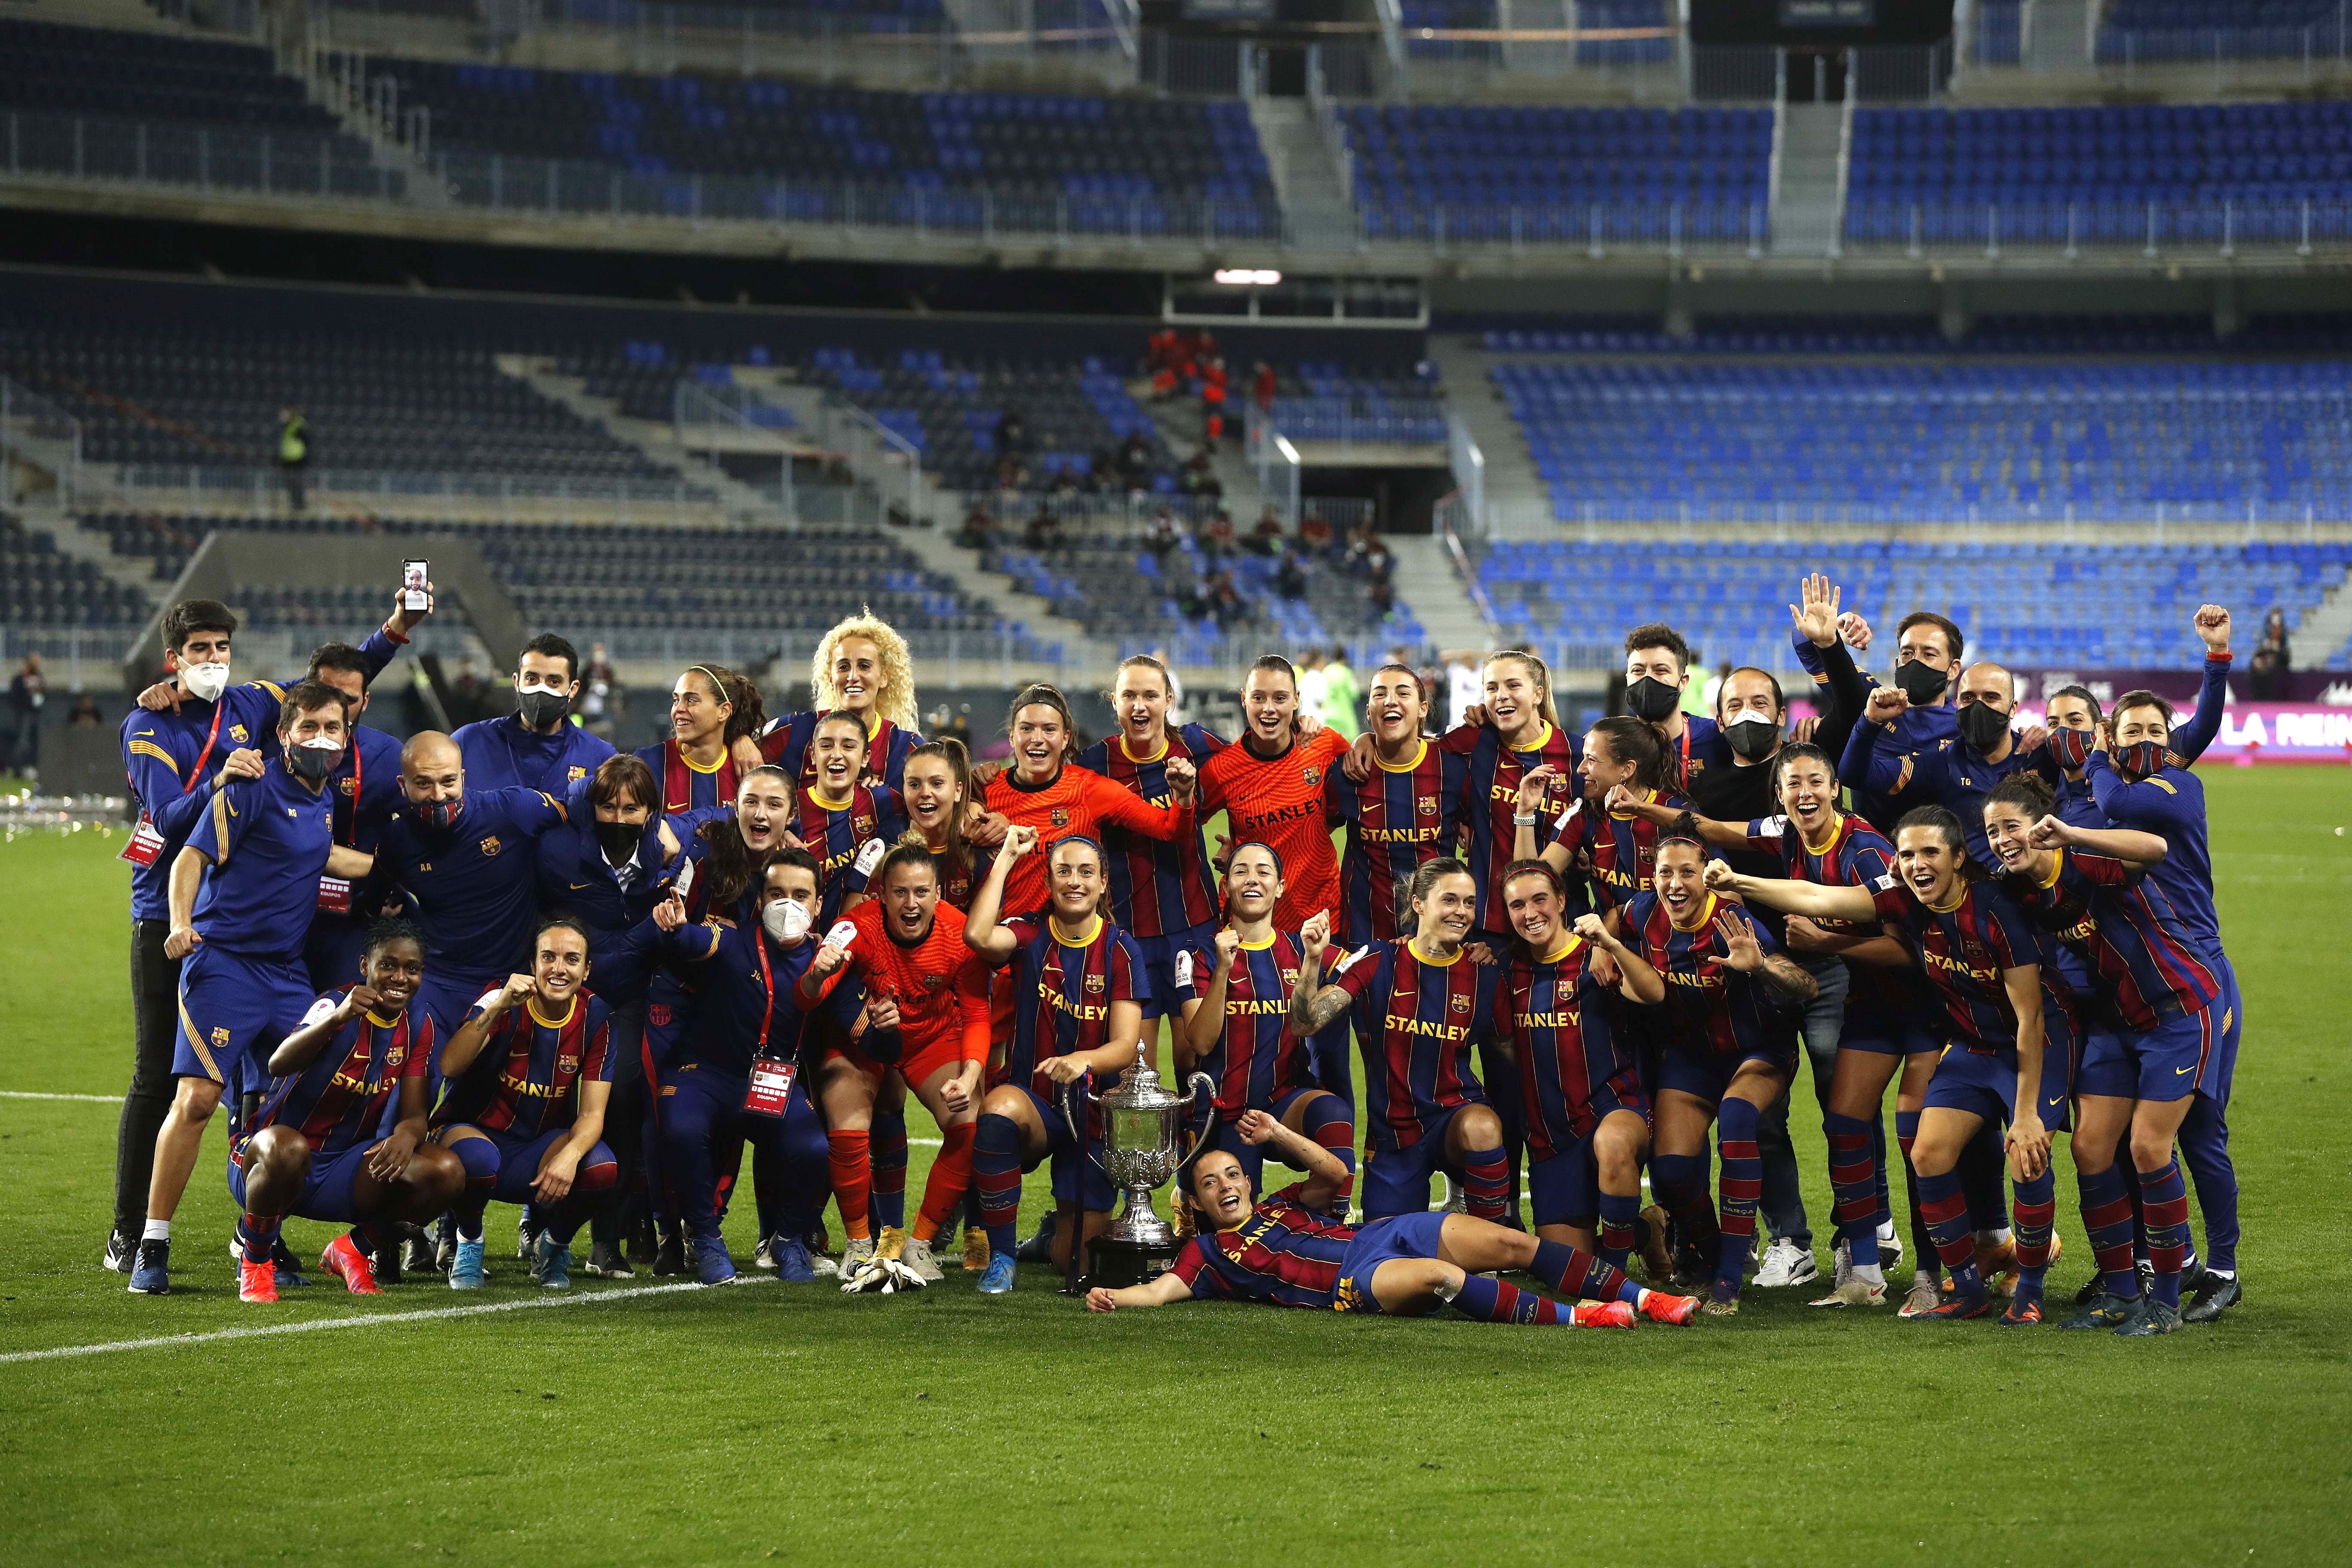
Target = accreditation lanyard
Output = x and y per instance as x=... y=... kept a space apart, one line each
x=145 y=842
x=771 y=1084
x=335 y=892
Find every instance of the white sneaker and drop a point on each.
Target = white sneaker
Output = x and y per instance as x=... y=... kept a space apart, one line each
x=918 y=1257
x=823 y=1267
x=1457 y=1201
x=1890 y=1246
x=1785 y=1263
x=764 y=1255
x=1854 y=1292
x=856 y=1252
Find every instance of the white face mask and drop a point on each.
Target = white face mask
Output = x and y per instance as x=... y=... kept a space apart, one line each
x=785 y=921
x=205 y=680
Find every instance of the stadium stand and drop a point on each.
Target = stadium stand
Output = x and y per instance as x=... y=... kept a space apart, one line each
x=197 y=396
x=2097 y=173
x=2155 y=30
x=2055 y=335
x=87 y=101
x=1542 y=172
x=40 y=585
x=1108 y=164
x=1929 y=442
x=2035 y=604
x=1321 y=400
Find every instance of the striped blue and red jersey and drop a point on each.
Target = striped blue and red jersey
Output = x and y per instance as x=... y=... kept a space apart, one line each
x=1616 y=850
x=338 y=1102
x=526 y=1080
x=2123 y=926
x=1415 y=1022
x=849 y=838
x=785 y=743
x=1963 y=949
x=685 y=786
x=1854 y=855
x=1063 y=993
x=1555 y=1017
x=2169 y=803
x=1285 y=1255
x=1711 y=1008
x=1394 y=820
x=1257 y=1058
x=1489 y=799
x=1157 y=888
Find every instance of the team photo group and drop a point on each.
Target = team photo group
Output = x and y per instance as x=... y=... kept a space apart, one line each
x=1500 y=1017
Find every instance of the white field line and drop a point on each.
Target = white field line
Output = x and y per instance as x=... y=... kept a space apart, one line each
x=366 y=1320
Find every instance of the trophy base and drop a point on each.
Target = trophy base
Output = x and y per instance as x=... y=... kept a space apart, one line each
x=1116 y=1264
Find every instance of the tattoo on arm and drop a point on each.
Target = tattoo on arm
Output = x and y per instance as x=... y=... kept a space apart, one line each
x=1789 y=978
x=1310 y=1011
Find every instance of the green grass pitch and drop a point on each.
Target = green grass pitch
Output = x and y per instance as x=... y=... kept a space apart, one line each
x=766 y=1421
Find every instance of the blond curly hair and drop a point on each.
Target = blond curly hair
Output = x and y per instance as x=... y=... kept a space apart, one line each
x=896 y=700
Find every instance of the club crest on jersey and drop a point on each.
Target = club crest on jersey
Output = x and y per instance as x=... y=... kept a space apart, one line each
x=1060 y=816
x=1095 y=984
x=1311 y=774
x=658 y=1014
x=1459 y=1004
x=933 y=982
x=567 y=1062
x=576 y=773
x=344 y=786
x=237 y=732
x=491 y=846
x=220 y=1036
x=1426 y=805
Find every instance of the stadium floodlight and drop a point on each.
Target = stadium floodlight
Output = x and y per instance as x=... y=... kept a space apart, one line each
x=1248 y=276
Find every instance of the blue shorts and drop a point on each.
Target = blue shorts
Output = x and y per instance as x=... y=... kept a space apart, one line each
x=1564 y=1188
x=1706 y=1075
x=1160 y=962
x=2174 y=1059
x=1871 y=1027
x=1986 y=1086
x=518 y=1160
x=233 y=1011
x=1396 y=1180
x=448 y=998
x=1076 y=1170
x=1400 y=1236
x=327 y=1191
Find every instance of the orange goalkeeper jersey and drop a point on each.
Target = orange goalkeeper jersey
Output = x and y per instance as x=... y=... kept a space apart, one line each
x=1278 y=801
x=939 y=985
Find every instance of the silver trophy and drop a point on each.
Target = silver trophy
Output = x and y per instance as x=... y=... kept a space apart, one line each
x=1143 y=1133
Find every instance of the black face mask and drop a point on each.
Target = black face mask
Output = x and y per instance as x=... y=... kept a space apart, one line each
x=540 y=709
x=1982 y=725
x=1651 y=700
x=1922 y=684
x=619 y=840
x=1752 y=740
x=311 y=763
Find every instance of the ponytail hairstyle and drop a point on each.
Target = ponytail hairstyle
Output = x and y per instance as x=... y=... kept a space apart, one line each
x=1802 y=752
x=911 y=850
x=1427 y=875
x=1635 y=741
x=1946 y=825
x=1531 y=868
x=1540 y=672
x=750 y=715
x=2029 y=792
x=1038 y=694
x=948 y=750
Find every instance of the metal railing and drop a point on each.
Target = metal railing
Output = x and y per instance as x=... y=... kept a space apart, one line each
x=721 y=415
x=209 y=157
x=1595 y=227
x=2151 y=228
x=2322 y=43
x=1360 y=419
x=1592 y=520
x=257 y=489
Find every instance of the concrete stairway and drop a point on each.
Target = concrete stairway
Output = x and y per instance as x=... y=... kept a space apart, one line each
x=1807 y=212
x=2060 y=37
x=1306 y=175
x=2323 y=632
x=1427 y=580
x=1519 y=504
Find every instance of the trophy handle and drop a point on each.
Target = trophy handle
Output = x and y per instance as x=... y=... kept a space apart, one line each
x=1194 y=1085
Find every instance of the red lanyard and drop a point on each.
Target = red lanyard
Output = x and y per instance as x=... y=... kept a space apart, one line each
x=197 y=771
x=767 y=984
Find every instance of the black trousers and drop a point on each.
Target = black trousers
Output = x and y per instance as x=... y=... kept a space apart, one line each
x=154 y=1011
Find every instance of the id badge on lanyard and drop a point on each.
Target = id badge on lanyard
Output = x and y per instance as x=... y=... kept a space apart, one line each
x=771 y=1087
x=145 y=842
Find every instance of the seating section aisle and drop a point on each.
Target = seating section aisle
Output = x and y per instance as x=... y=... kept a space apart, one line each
x=2093 y=606
x=156 y=106
x=41 y=586
x=779 y=150
x=1914 y=335
x=1539 y=173
x=2213 y=441
x=2100 y=174
x=194 y=396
